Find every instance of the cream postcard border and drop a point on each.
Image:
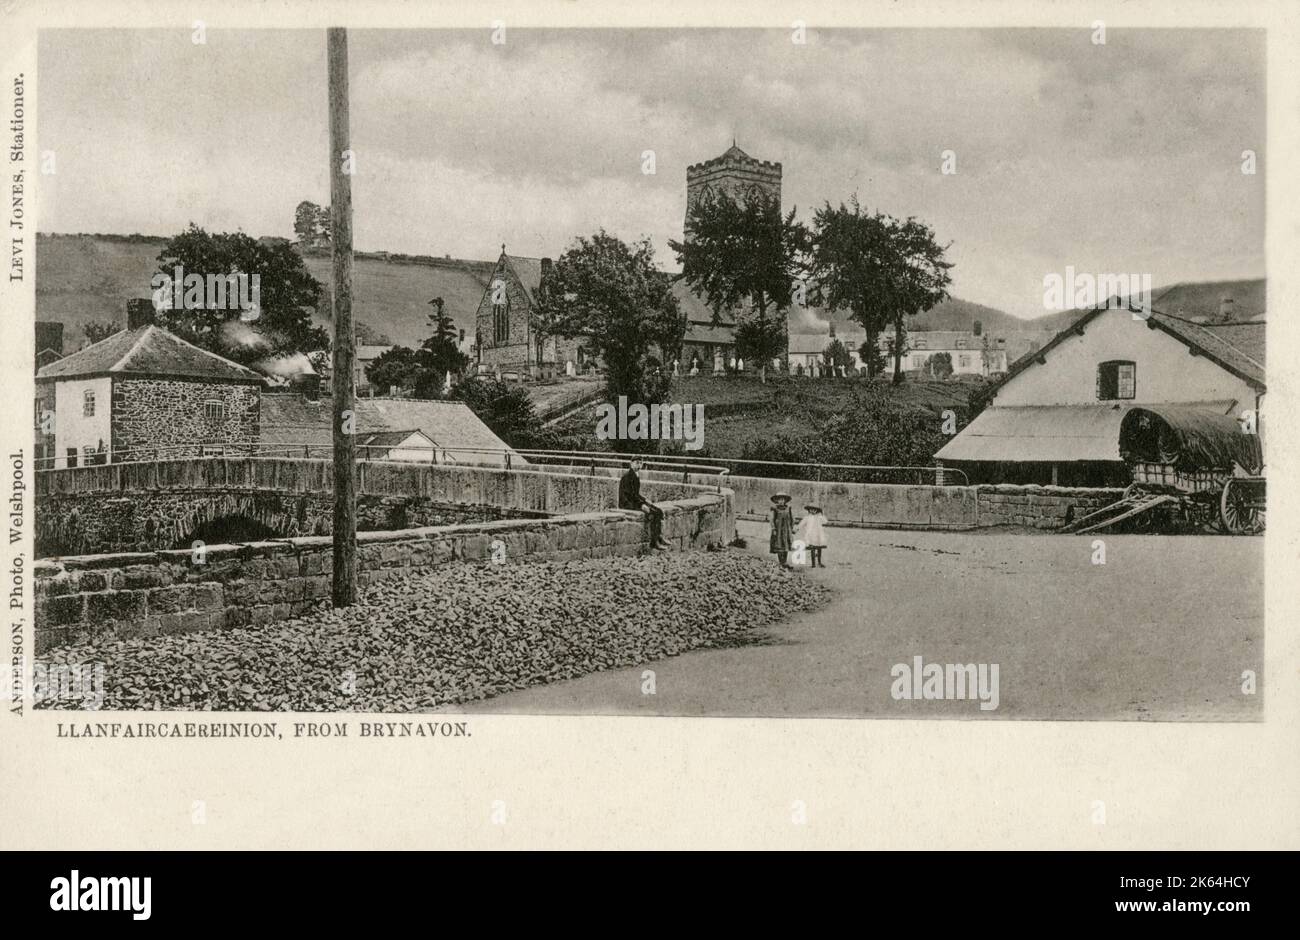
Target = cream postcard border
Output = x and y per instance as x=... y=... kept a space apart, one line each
x=573 y=782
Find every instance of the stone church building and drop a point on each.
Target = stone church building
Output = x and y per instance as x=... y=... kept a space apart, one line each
x=508 y=338
x=735 y=174
x=509 y=341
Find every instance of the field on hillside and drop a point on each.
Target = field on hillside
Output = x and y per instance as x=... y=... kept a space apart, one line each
x=741 y=410
x=80 y=278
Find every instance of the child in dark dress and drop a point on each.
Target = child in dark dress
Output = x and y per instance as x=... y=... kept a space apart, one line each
x=782 y=538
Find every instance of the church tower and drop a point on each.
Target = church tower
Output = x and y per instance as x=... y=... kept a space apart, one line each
x=735 y=173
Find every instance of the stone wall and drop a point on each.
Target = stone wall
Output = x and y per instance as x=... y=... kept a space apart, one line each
x=156 y=505
x=1040 y=507
x=148 y=414
x=117 y=596
x=95 y=523
x=882 y=506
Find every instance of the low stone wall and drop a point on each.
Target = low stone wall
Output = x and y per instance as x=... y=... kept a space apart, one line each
x=99 y=523
x=1040 y=507
x=151 y=506
x=883 y=506
x=104 y=597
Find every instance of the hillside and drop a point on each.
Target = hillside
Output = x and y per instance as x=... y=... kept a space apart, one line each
x=80 y=278
x=1191 y=301
x=951 y=314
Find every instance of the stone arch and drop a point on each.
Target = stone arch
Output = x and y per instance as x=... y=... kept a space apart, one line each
x=231 y=517
x=227 y=529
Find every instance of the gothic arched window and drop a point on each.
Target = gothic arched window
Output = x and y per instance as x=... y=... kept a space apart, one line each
x=500 y=313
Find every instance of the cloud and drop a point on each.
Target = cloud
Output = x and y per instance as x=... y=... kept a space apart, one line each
x=1117 y=157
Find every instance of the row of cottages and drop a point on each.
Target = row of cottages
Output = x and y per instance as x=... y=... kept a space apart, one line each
x=146 y=394
x=986 y=354
x=1056 y=417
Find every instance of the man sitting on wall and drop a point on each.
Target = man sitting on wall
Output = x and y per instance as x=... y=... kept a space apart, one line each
x=629 y=497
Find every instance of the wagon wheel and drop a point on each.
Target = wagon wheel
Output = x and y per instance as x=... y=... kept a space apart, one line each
x=1236 y=510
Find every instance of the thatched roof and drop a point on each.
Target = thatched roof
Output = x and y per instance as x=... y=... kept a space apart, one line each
x=1189 y=438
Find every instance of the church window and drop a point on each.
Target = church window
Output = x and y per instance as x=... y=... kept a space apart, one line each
x=500 y=313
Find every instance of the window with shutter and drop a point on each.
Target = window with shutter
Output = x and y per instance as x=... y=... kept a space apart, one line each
x=1116 y=380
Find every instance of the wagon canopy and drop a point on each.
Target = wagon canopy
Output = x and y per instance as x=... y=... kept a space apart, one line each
x=1189 y=438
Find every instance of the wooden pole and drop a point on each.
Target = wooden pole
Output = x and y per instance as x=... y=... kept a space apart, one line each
x=345 y=484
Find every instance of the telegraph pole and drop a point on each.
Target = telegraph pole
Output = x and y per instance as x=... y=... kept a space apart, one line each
x=345 y=480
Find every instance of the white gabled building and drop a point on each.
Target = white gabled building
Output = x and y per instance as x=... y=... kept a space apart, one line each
x=1056 y=417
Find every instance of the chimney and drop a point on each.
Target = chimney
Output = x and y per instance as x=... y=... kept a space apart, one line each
x=139 y=312
x=306 y=383
x=1226 y=308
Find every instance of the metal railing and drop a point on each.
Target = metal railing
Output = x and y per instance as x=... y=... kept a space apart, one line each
x=510 y=458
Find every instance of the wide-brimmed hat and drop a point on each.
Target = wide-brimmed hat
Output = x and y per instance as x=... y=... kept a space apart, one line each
x=812 y=507
x=784 y=496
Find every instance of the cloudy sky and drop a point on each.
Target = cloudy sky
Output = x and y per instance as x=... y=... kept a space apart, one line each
x=1123 y=157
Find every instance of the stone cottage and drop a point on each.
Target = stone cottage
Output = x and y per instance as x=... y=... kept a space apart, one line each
x=145 y=394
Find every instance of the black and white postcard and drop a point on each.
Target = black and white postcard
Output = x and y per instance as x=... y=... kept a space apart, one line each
x=845 y=424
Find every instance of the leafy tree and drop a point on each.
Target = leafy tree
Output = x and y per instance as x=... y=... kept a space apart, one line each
x=506 y=409
x=287 y=296
x=882 y=269
x=422 y=370
x=97 y=330
x=611 y=294
x=439 y=354
x=939 y=365
x=872 y=357
x=745 y=252
x=837 y=355
x=850 y=263
x=920 y=279
x=761 y=340
x=398 y=367
x=311 y=223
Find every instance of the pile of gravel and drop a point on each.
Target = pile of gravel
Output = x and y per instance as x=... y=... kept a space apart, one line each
x=456 y=634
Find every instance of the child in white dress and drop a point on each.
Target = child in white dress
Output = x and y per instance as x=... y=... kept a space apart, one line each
x=812 y=533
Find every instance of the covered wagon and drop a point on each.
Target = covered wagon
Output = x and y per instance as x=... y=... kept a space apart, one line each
x=1189 y=465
